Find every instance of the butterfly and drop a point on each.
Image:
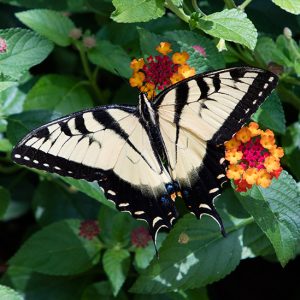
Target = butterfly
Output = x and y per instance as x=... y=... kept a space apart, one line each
x=145 y=156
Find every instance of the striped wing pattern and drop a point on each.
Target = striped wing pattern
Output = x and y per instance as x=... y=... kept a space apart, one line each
x=196 y=117
x=111 y=146
x=142 y=164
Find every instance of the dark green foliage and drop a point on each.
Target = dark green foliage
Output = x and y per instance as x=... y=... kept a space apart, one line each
x=46 y=71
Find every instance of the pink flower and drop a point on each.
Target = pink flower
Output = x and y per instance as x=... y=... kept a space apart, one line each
x=140 y=237
x=3 y=45
x=200 y=49
x=89 y=229
x=75 y=33
x=89 y=42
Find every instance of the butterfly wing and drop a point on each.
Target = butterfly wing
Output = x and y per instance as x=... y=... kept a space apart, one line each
x=109 y=145
x=196 y=116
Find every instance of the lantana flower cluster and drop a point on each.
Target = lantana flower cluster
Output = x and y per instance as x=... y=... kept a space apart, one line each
x=3 y=45
x=253 y=157
x=89 y=229
x=158 y=72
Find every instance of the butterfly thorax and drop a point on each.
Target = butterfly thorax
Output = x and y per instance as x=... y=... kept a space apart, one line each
x=146 y=110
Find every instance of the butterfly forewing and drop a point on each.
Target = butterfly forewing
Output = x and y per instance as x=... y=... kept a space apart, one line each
x=109 y=145
x=196 y=117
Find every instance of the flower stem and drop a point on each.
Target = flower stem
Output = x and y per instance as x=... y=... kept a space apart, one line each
x=92 y=77
x=197 y=8
x=179 y=12
x=229 y=4
x=244 y=4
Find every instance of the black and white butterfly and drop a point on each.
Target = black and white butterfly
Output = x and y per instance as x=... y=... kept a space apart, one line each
x=145 y=156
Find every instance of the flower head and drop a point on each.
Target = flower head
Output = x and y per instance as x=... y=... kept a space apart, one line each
x=200 y=49
x=89 y=229
x=140 y=237
x=75 y=33
x=89 y=42
x=160 y=71
x=3 y=45
x=253 y=156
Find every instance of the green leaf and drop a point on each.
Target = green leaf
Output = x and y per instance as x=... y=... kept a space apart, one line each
x=269 y=51
x=11 y=101
x=271 y=115
x=116 y=265
x=195 y=263
x=59 y=93
x=20 y=124
x=4 y=200
x=5 y=145
x=58 y=250
x=130 y=11
x=102 y=290
x=185 y=38
x=256 y=240
x=91 y=189
x=110 y=57
x=24 y=50
x=6 y=84
x=292 y=6
x=38 y=286
x=7 y=293
x=61 y=204
x=276 y=210
x=291 y=145
x=149 y=41
x=51 y=24
x=230 y=25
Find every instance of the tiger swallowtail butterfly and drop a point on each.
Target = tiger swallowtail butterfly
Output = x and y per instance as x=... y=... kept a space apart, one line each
x=144 y=156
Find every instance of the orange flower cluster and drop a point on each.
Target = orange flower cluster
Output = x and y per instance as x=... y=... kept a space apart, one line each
x=158 y=72
x=253 y=157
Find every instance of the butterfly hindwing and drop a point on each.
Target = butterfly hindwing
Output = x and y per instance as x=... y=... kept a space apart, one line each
x=196 y=116
x=111 y=146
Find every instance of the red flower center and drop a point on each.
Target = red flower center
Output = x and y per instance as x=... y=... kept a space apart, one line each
x=159 y=70
x=140 y=237
x=254 y=154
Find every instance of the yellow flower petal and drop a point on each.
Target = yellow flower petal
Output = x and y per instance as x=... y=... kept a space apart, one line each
x=164 y=48
x=243 y=135
x=234 y=172
x=263 y=178
x=250 y=175
x=233 y=156
x=137 y=64
x=180 y=58
x=232 y=144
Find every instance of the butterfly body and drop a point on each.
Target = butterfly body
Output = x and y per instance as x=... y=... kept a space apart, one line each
x=144 y=157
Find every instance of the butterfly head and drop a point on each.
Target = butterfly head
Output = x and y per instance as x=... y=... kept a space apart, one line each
x=146 y=109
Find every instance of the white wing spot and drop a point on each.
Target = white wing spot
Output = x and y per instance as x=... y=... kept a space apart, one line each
x=172 y=220
x=139 y=212
x=57 y=168
x=155 y=220
x=123 y=204
x=246 y=110
x=46 y=165
x=254 y=101
x=222 y=160
x=203 y=205
x=70 y=172
x=260 y=93
x=111 y=192
x=265 y=86
x=213 y=190
x=271 y=79
x=17 y=156
x=35 y=161
x=26 y=158
x=220 y=176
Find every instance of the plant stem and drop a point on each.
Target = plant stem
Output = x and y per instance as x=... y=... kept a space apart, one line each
x=179 y=12
x=244 y=4
x=197 y=8
x=229 y=4
x=87 y=70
